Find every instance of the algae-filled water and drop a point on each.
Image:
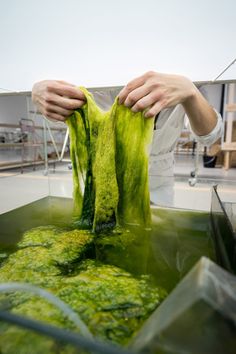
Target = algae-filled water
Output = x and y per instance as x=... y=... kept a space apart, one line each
x=176 y=240
x=143 y=264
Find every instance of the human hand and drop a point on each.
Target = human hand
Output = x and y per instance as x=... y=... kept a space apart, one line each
x=155 y=91
x=57 y=99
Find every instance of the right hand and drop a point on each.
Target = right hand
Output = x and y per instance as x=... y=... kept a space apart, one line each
x=155 y=91
x=57 y=100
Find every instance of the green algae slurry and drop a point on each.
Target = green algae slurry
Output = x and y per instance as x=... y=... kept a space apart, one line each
x=82 y=264
x=110 y=301
x=109 y=152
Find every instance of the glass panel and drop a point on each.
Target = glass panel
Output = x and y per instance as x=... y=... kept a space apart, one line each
x=18 y=189
x=223 y=234
x=197 y=317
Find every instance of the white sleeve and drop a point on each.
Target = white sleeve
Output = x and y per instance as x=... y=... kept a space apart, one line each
x=214 y=135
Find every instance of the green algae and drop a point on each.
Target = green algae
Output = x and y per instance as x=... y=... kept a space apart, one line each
x=111 y=301
x=43 y=236
x=26 y=342
x=109 y=152
x=110 y=174
x=73 y=247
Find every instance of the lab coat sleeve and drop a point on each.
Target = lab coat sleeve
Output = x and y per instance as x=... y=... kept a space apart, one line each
x=214 y=135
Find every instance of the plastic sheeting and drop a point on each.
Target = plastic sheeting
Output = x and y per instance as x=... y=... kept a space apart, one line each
x=199 y=316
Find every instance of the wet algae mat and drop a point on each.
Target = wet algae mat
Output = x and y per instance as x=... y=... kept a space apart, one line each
x=113 y=282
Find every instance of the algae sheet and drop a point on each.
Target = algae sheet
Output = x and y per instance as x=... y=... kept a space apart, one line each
x=110 y=172
x=109 y=153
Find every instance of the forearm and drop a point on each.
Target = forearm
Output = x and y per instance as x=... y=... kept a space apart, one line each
x=201 y=115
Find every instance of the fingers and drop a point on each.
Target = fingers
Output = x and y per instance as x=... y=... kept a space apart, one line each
x=57 y=99
x=132 y=85
x=63 y=102
x=155 y=109
x=147 y=101
x=57 y=109
x=60 y=107
x=144 y=93
x=55 y=117
x=66 y=90
x=136 y=95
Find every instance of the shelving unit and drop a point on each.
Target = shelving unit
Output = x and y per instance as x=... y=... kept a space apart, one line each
x=49 y=132
x=36 y=146
x=228 y=146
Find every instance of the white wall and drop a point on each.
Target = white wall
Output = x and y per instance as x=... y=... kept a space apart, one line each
x=108 y=42
x=213 y=95
x=12 y=108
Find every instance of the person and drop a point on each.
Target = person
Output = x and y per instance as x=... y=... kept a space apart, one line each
x=165 y=97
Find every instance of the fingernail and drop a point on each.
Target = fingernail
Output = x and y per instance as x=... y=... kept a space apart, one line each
x=148 y=115
x=127 y=104
x=121 y=100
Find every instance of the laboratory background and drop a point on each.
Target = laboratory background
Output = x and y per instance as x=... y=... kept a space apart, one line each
x=69 y=285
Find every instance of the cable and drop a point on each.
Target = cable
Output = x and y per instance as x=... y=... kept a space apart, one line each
x=62 y=336
x=66 y=310
x=223 y=71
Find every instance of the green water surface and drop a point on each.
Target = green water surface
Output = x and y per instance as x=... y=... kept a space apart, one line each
x=167 y=251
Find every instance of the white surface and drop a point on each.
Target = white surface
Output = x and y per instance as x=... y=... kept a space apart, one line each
x=20 y=189
x=108 y=42
x=199 y=196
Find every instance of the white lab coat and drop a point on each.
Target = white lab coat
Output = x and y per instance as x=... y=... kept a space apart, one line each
x=169 y=125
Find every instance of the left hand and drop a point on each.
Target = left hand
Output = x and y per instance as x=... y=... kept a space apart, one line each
x=57 y=99
x=155 y=91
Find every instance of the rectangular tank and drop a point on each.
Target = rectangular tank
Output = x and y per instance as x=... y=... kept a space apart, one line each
x=170 y=253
